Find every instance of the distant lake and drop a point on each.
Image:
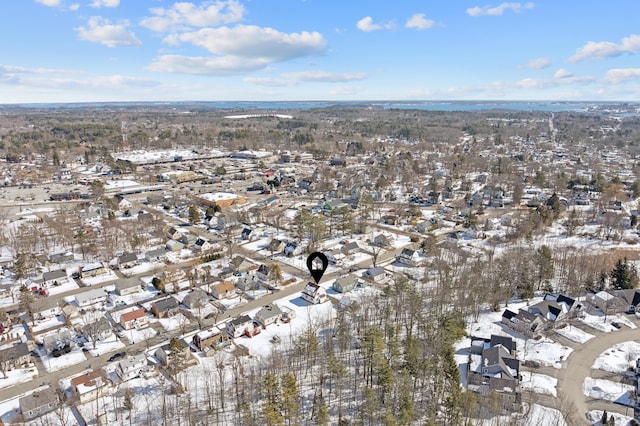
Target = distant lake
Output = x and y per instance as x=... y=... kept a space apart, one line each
x=548 y=106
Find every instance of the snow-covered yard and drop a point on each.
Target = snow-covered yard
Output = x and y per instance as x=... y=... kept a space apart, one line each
x=538 y=383
x=20 y=375
x=574 y=334
x=539 y=415
x=619 y=358
x=52 y=363
x=601 y=322
x=621 y=420
x=619 y=393
x=112 y=343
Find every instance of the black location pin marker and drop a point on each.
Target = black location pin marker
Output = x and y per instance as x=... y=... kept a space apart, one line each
x=317 y=264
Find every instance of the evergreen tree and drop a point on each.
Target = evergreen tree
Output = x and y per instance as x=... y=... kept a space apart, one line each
x=452 y=385
x=624 y=275
x=604 y=417
x=271 y=414
x=194 y=214
x=321 y=412
x=290 y=398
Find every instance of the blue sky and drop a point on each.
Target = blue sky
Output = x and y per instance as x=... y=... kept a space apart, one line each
x=270 y=50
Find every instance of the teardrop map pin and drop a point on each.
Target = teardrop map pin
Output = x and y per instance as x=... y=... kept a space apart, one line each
x=317 y=263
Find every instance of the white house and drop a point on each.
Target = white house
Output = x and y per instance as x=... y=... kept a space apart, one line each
x=238 y=326
x=90 y=297
x=313 y=293
x=131 y=367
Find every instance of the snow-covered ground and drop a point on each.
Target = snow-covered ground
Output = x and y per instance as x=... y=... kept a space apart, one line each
x=68 y=285
x=307 y=316
x=539 y=415
x=619 y=393
x=20 y=375
x=601 y=322
x=99 y=279
x=619 y=358
x=620 y=420
x=545 y=351
x=112 y=343
x=142 y=268
x=538 y=383
x=52 y=363
x=574 y=334
x=42 y=325
x=174 y=323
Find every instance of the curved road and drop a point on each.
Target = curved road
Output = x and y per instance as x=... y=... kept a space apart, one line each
x=579 y=362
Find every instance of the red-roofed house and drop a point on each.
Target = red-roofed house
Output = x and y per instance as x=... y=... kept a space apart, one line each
x=134 y=319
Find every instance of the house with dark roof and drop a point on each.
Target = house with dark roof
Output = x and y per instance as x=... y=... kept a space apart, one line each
x=239 y=326
x=157 y=255
x=127 y=260
x=53 y=278
x=494 y=368
x=126 y=286
x=410 y=257
x=313 y=293
x=213 y=337
x=375 y=274
x=164 y=308
x=350 y=248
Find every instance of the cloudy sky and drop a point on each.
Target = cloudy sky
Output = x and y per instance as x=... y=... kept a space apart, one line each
x=262 y=50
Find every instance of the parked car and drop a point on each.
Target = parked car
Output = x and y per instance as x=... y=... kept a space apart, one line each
x=116 y=356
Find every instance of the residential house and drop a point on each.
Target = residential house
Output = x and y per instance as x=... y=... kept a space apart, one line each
x=313 y=293
x=127 y=260
x=54 y=278
x=239 y=326
x=174 y=245
x=61 y=257
x=350 y=248
x=211 y=338
x=247 y=234
x=270 y=201
x=375 y=274
x=174 y=233
x=157 y=255
x=345 y=283
x=269 y=314
x=131 y=367
x=410 y=257
x=382 y=240
x=90 y=297
x=92 y=270
x=493 y=367
x=608 y=302
x=276 y=245
x=524 y=322
x=293 y=248
x=38 y=403
x=98 y=330
x=331 y=258
x=196 y=298
x=164 y=308
x=248 y=282
x=263 y=272
x=632 y=299
x=57 y=341
x=201 y=245
x=127 y=286
x=188 y=239
x=223 y=290
x=88 y=387
x=15 y=357
x=240 y=264
x=134 y=319
x=163 y=353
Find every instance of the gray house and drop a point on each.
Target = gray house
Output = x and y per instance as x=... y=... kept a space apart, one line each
x=345 y=284
x=128 y=286
x=38 y=403
x=269 y=314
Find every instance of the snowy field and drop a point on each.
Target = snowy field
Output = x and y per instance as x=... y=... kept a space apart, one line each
x=619 y=358
x=539 y=415
x=538 y=383
x=619 y=393
x=574 y=334
x=110 y=344
x=99 y=279
x=69 y=285
x=175 y=322
x=40 y=326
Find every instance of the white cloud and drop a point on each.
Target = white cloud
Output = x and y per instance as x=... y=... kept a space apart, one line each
x=99 y=30
x=568 y=79
x=74 y=6
x=50 y=3
x=420 y=22
x=105 y=3
x=324 y=76
x=606 y=49
x=538 y=63
x=562 y=73
x=621 y=75
x=268 y=82
x=201 y=65
x=252 y=42
x=499 y=10
x=184 y=15
x=366 y=24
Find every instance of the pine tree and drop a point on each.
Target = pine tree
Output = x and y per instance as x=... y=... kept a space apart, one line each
x=290 y=398
x=452 y=385
x=604 y=417
x=194 y=214
x=321 y=412
x=271 y=412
